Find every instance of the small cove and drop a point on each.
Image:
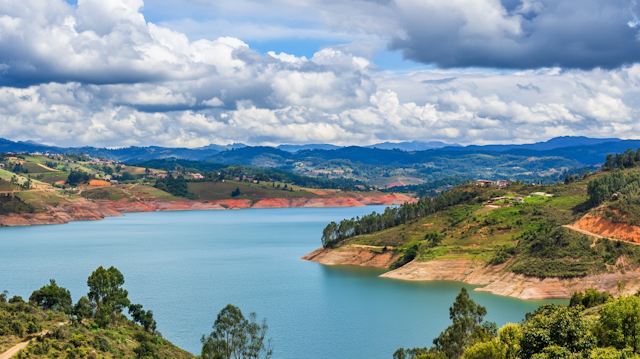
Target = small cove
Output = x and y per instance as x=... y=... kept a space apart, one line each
x=186 y=266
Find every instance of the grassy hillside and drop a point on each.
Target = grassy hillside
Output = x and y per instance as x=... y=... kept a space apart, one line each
x=7 y=186
x=70 y=338
x=40 y=199
x=44 y=181
x=213 y=191
x=528 y=235
x=53 y=326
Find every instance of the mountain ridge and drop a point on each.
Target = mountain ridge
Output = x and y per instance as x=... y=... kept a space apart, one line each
x=582 y=149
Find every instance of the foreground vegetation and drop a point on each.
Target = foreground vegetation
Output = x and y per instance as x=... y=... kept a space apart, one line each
x=95 y=326
x=610 y=329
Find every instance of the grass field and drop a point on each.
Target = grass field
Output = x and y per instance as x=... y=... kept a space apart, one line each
x=39 y=199
x=213 y=191
x=149 y=193
x=128 y=192
x=8 y=186
x=476 y=231
x=53 y=177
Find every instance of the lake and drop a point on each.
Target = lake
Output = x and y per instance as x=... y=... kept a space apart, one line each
x=186 y=266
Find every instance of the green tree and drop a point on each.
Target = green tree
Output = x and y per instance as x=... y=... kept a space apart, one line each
x=235 y=337
x=16 y=299
x=236 y=192
x=620 y=320
x=609 y=163
x=510 y=336
x=620 y=160
x=106 y=292
x=83 y=308
x=493 y=349
x=146 y=349
x=466 y=329
x=590 y=299
x=612 y=353
x=52 y=296
x=553 y=331
x=144 y=317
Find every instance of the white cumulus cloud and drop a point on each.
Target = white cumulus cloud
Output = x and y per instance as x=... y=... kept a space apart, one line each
x=100 y=74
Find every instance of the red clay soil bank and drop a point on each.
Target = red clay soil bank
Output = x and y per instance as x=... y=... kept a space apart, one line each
x=606 y=228
x=83 y=210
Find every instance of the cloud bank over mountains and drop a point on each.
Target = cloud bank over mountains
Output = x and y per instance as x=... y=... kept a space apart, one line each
x=99 y=74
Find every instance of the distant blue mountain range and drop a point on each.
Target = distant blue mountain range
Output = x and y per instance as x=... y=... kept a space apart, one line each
x=558 y=142
x=296 y=148
x=583 y=149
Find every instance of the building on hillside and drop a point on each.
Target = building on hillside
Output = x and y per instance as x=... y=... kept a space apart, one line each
x=2 y=165
x=506 y=199
x=485 y=183
x=197 y=176
x=501 y=183
x=543 y=194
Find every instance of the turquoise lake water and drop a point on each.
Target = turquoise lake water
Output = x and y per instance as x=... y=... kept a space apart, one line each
x=186 y=266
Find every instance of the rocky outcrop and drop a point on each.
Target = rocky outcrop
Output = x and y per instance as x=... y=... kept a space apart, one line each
x=83 y=210
x=498 y=281
x=494 y=278
x=461 y=270
x=353 y=255
x=606 y=228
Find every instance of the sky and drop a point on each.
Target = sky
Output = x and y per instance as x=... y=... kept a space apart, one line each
x=188 y=73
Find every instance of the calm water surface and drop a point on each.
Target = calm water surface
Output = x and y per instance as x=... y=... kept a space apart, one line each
x=186 y=266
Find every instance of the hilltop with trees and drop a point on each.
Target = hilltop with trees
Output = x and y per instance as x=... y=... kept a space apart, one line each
x=533 y=230
x=52 y=326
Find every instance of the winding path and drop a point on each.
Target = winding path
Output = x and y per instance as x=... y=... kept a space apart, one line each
x=16 y=348
x=595 y=236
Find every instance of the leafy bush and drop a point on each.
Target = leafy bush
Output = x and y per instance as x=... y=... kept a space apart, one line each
x=406 y=257
x=176 y=186
x=562 y=252
x=102 y=344
x=591 y=298
x=503 y=253
x=77 y=177
x=12 y=204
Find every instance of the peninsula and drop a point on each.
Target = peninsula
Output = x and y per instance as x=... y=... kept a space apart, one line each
x=526 y=241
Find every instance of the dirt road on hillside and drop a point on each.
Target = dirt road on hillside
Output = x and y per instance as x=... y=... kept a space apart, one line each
x=16 y=348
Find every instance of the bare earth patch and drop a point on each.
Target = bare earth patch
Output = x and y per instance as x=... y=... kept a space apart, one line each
x=606 y=228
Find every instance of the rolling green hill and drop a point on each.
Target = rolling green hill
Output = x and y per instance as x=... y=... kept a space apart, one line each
x=521 y=224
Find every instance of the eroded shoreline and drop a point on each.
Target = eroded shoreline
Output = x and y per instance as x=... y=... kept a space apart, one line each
x=84 y=210
x=494 y=278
